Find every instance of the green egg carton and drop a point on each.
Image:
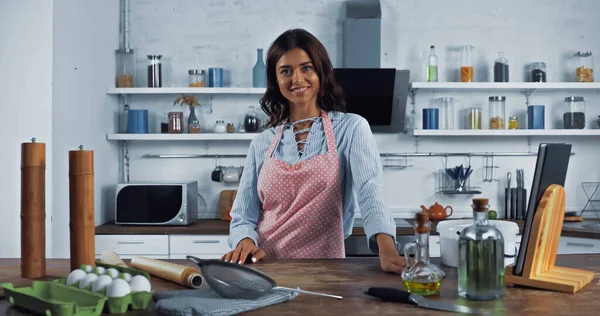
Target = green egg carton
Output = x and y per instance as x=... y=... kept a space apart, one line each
x=117 y=305
x=54 y=299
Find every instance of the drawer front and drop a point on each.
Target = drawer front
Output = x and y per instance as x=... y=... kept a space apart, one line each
x=133 y=244
x=200 y=256
x=574 y=245
x=125 y=256
x=198 y=244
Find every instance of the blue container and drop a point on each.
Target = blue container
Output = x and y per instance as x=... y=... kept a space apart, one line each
x=431 y=118
x=536 y=117
x=215 y=77
x=259 y=72
x=137 y=121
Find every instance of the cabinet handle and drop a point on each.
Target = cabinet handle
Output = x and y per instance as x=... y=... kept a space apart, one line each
x=577 y=244
x=132 y=242
x=206 y=241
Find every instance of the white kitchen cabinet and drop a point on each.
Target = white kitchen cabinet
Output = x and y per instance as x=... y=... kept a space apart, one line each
x=201 y=246
x=129 y=246
x=575 y=245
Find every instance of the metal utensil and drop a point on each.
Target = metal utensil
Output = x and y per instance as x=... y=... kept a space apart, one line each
x=231 y=280
x=507 y=204
x=398 y=296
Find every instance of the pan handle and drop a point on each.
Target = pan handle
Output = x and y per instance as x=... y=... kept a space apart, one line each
x=195 y=260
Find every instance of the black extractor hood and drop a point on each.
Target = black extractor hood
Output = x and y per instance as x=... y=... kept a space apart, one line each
x=377 y=94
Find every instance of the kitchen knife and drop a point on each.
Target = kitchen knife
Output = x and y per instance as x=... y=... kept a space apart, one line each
x=398 y=296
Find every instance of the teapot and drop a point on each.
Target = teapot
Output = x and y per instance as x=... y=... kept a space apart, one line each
x=437 y=212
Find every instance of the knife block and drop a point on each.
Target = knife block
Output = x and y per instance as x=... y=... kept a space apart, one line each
x=539 y=270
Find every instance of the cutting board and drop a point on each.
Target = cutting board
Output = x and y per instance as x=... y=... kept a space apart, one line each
x=225 y=203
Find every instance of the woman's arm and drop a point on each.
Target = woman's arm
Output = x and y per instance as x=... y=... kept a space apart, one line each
x=367 y=177
x=246 y=207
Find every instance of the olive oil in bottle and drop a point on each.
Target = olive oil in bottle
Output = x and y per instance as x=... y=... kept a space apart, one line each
x=481 y=257
x=421 y=277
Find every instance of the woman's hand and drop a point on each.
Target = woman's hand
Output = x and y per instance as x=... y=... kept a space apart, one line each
x=390 y=259
x=245 y=248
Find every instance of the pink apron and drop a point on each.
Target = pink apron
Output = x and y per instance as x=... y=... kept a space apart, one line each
x=302 y=204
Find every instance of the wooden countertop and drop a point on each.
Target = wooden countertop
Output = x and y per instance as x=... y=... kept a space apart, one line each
x=350 y=277
x=220 y=227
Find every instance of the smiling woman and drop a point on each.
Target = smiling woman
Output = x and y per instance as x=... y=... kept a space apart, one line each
x=296 y=195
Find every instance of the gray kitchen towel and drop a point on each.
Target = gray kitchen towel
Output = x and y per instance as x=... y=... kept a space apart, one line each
x=206 y=301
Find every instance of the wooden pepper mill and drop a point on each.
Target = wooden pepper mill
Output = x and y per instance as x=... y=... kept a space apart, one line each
x=81 y=207
x=33 y=210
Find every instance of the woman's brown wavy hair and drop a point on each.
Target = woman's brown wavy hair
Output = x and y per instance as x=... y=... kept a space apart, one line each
x=330 y=96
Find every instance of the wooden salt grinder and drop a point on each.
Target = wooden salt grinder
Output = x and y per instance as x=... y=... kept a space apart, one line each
x=81 y=207
x=33 y=210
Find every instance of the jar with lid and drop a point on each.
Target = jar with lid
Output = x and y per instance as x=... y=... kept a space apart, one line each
x=574 y=115
x=501 y=68
x=513 y=122
x=497 y=112
x=125 y=62
x=467 y=73
x=474 y=118
x=175 y=122
x=220 y=127
x=585 y=67
x=196 y=78
x=164 y=123
x=538 y=72
x=251 y=122
x=154 y=71
x=230 y=128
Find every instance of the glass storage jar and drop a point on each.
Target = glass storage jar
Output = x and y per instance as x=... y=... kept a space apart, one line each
x=538 y=72
x=474 y=118
x=501 y=68
x=251 y=122
x=196 y=78
x=154 y=71
x=467 y=73
x=585 y=67
x=513 y=122
x=446 y=118
x=175 y=122
x=220 y=127
x=497 y=112
x=574 y=115
x=125 y=65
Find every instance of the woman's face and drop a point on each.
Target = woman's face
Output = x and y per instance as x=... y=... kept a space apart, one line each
x=297 y=79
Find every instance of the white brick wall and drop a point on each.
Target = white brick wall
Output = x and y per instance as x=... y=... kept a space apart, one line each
x=218 y=33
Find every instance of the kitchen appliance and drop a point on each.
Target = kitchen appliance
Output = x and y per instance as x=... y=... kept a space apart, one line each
x=232 y=280
x=156 y=203
x=377 y=94
x=398 y=296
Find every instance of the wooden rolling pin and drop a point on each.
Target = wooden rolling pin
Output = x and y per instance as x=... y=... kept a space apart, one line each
x=180 y=274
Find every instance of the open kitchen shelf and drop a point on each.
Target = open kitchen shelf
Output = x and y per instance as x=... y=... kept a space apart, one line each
x=179 y=137
x=504 y=132
x=504 y=86
x=187 y=90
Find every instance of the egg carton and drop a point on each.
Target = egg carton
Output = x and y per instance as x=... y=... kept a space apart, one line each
x=137 y=300
x=51 y=298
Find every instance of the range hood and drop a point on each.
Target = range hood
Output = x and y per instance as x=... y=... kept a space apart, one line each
x=378 y=94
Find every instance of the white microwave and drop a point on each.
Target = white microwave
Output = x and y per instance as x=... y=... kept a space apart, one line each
x=174 y=204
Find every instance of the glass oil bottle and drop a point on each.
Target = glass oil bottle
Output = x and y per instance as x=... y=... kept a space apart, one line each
x=481 y=257
x=432 y=65
x=422 y=277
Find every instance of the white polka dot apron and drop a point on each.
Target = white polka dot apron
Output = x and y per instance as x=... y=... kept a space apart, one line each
x=302 y=204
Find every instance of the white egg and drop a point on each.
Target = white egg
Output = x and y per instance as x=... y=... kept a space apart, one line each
x=100 y=270
x=112 y=272
x=87 y=280
x=101 y=282
x=118 y=288
x=75 y=276
x=139 y=283
x=127 y=276
x=88 y=268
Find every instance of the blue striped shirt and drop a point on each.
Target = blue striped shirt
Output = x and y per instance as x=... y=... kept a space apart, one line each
x=360 y=169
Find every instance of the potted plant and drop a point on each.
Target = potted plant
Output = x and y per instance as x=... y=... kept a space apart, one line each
x=191 y=101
